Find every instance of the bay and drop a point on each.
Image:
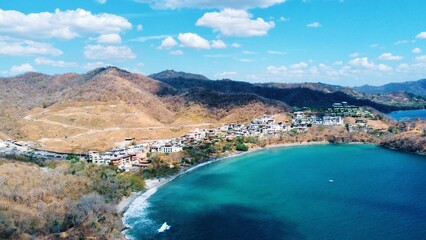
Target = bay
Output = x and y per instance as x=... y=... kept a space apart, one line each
x=286 y=193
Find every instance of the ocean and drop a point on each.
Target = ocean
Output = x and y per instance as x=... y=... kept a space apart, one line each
x=408 y=115
x=303 y=192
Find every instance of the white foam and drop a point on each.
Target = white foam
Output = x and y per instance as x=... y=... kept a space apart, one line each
x=164 y=227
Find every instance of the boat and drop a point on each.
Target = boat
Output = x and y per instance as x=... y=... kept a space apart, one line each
x=163 y=228
x=331 y=181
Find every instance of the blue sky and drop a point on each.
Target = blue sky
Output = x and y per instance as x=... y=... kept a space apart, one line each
x=345 y=42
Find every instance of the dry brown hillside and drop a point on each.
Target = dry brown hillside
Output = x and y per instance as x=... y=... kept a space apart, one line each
x=75 y=113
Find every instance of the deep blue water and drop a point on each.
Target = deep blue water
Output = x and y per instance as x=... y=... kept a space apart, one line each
x=285 y=193
x=409 y=115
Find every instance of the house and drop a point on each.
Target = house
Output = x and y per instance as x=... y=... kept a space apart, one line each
x=330 y=121
x=94 y=157
x=361 y=123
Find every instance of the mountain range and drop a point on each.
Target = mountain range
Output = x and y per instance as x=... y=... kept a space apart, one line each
x=78 y=112
x=414 y=87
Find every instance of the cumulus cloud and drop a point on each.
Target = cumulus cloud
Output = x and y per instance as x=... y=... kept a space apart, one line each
x=112 y=38
x=26 y=67
x=27 y=48
x=389 y=57
x=236 y=45
x=416 y=50
x=232 y=22
x=192 y=40
x=101 y=52
x=276 y=69
x=177 y=52
x=421 y=58
x=421 y=35
x=139 y=27
x=60 y=24
x=54 y=63
x=205 y=4
x=314 y=25
x=366 y=64
x=218 y=44
x=168 y=43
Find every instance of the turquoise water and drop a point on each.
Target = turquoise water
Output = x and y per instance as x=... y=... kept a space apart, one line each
x=409 y=115
x=285 y=193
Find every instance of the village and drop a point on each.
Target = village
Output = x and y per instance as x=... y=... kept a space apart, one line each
x=135 y=156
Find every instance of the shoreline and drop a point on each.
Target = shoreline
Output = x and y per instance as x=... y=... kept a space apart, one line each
x=152 y=185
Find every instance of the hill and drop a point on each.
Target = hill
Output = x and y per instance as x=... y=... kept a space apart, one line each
x=98 y=110
x=413 y=87
x=77 y=112
x=316 y=95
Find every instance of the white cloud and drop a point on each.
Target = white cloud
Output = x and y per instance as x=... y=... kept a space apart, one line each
x=232 y=22
x=364 y=63
x=404 y=42
x=276 y=52
x=421 y=35
x=314 y=25
x=53 y=63
x=192 y=40
x=236 y=45
x=245 y=60
x=361 y=62
x=112 y=38
x=148 y=38
x=139 y=27
x=284 y=19
x=60 y=24
x=421 y=58
x=27 y=48
x=226 y=75
x=218 y=44
x=21 y=69
x=177 y=52
x=374 y=45
x=168 y=43
x=416 y=50
x=205 y=4
x=276 y=69
x=300 y=65
x=389 y=57
x=101 y=1
x=108 y=52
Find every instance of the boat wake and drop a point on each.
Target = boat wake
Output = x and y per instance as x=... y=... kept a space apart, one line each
x=164 y=228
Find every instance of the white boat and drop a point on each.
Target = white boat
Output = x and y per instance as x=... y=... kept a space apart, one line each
x=331 y=181
x=163 y=228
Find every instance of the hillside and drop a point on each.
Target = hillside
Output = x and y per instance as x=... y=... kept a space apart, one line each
x=413 y=87
x=78 y=112
x=315 y=95
x=98 y=110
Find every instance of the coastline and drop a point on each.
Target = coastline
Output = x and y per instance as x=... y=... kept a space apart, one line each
x=152 y=185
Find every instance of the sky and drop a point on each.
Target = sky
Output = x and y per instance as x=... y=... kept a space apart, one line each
x=343 y=42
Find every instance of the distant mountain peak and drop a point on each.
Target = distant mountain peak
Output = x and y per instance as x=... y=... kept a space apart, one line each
x=172 y=74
